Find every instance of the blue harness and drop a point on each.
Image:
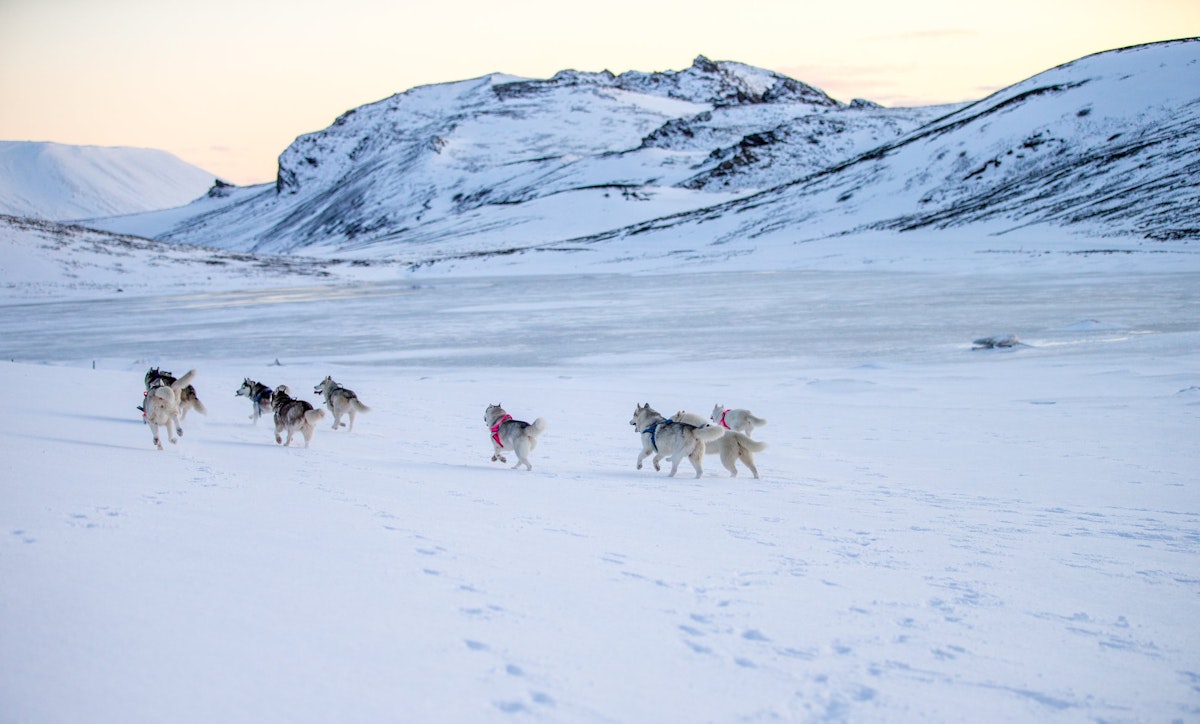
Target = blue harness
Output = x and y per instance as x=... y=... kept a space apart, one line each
x=652 y=430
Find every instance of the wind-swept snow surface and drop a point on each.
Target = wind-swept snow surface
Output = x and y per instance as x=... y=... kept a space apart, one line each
x=938 y=533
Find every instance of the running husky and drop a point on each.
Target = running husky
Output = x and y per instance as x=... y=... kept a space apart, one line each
x=161 y=408
x=260 y=397
x=187 y=396
x=521 y=437
x=340 y=401
x=732 y=446
x=739 y=420
x=292 y=415
x=664 y=437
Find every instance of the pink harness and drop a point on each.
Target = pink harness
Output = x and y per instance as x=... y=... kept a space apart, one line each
x=722 y=420
x=496 y=429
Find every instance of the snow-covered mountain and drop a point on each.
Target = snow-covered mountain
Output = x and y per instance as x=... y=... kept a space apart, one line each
x=715 y=159
x=59 y=182
x=498 y=161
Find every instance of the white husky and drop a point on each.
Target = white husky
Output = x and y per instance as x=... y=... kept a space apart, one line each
x=340 y=401
x=161 y=407
x=662 y=437
x=732 y=446
x=740 y=420
x=521 y=437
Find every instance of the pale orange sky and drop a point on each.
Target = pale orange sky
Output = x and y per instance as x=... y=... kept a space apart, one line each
x=228 y=84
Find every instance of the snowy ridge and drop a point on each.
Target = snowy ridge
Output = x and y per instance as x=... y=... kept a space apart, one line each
x=722 y=159
x=59 y=182
x=496 y=161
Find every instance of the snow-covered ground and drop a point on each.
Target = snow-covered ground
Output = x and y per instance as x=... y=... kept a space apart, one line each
x=939 y=533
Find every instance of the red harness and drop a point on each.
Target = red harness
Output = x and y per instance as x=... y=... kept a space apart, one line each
x=722 y=420
x=496 y=429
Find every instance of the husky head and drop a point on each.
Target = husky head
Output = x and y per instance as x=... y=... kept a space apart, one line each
x=324 y=385
x=493 y=413
x=644 y=415
x=247 y=388
x=154 y=374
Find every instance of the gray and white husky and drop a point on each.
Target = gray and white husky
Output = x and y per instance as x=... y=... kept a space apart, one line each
x=340 y=401
x=662 y=437
x=739 y=419
x=294 y=416
x=187 y=395
x=161 y=406
x=260 y=397
x=516 y=435
x=732 y=446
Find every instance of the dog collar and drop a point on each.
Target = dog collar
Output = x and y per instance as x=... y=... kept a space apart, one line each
x=496 y=429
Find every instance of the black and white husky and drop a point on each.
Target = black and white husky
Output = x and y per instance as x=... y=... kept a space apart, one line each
x=731 y=446
x=340 y=401
x=161 y=406
x=738 y=419
x=293 y=415
x=516 y=435
x=662 y=437
x=260 y=397
x=187 y=394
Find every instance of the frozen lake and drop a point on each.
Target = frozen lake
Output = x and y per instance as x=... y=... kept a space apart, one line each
x=820 y=318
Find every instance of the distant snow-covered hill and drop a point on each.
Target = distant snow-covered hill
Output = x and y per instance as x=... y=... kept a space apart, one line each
x=61 y=182
x=717 y=159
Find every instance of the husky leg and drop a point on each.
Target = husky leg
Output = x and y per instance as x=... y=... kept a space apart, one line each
x=676 y=458
x=350 y=412
x=172 y=428
x=695 y=457
x=278 y=437
x=521 y=448
x=154 y=434
x=748 y=459
x=729 y=460
x=644 y=454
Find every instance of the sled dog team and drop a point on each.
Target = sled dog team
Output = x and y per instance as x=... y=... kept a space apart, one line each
x=684 y=436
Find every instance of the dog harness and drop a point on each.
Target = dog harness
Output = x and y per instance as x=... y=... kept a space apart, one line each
x=261 y=394
x=722 y=420
x=653 y=430
x=496 y=429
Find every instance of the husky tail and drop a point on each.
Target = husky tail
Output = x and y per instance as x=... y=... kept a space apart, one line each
x=537 y=427
x=708 y=433
x=314 y=415
x=359 y=405
x=746 y=442
x=184 y=381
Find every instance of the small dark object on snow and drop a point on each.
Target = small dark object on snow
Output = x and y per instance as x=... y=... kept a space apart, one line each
x=1008 y=340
